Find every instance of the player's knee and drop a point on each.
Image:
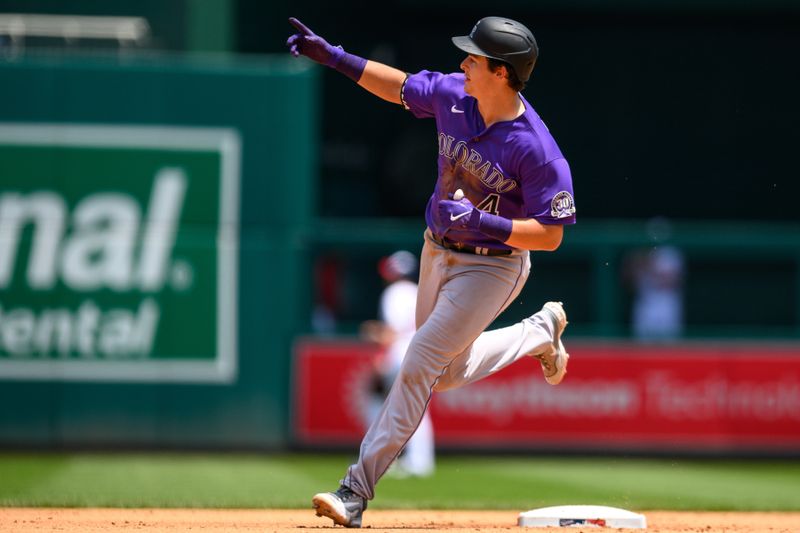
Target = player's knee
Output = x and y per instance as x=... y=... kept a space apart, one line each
x=414 y=372
x=424 y=362
x=442 y=384
x=418 y=369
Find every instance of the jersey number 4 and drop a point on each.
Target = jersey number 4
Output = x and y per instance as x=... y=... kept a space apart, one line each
x=490 y=204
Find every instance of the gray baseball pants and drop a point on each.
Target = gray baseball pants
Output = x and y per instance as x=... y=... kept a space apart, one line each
x=459 y=295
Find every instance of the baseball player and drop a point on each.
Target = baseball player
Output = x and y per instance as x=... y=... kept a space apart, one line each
x=503 y=189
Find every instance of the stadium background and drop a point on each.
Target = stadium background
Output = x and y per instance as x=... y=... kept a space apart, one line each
x=672 y=110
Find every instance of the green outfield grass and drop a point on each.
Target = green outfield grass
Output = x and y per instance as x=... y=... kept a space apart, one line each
x=467 y=482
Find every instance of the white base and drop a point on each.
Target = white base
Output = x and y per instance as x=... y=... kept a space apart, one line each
x=582 y=516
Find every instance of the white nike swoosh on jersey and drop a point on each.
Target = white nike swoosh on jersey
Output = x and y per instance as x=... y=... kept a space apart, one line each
x=454 y=110
x=454 y=218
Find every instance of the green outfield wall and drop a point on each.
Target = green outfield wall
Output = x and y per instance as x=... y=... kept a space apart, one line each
x=740 y=280
x=152 y=273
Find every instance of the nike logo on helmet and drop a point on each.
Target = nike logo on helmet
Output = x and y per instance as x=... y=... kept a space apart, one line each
x=454 y=218
x=454 y=110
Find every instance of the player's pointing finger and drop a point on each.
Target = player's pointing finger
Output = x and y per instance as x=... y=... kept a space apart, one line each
x=300 y=26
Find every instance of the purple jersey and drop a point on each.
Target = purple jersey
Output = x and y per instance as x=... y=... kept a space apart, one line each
x=513 y=169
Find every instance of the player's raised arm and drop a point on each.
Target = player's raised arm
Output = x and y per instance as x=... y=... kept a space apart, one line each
x=379 y=79
x=383 y=81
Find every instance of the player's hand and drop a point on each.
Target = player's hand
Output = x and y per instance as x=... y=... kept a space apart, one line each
x=459 y=214
x=311 y=45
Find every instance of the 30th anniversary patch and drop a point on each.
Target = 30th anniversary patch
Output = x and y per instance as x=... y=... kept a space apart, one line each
x=562 y=205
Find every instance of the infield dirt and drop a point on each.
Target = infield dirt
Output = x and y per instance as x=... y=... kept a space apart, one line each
x=28 y=520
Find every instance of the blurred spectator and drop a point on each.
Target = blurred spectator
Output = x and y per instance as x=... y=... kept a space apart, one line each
x=656 y=276
x=393 y=332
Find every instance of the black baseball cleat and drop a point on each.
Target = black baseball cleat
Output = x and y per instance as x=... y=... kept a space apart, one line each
x=344 y=506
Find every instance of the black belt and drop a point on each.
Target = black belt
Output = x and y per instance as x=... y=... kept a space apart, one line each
x=467 y=249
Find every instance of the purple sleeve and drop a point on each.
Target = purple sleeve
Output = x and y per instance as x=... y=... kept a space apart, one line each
x=419 y=92
x=548 y=195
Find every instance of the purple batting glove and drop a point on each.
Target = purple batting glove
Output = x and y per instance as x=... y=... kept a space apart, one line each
x=458 y=214
x=314 y=47
x=461 y=214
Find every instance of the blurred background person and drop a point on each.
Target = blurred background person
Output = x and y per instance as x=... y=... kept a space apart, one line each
x=656 y=275
x=393 y=331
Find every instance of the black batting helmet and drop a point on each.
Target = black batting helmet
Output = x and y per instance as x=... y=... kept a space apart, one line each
x=503 y=39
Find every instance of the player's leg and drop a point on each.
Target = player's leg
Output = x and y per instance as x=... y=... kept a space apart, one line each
x=496 y=349
x=418 y=457
x=538 y=335
x=432 y=267
x=473 y=291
